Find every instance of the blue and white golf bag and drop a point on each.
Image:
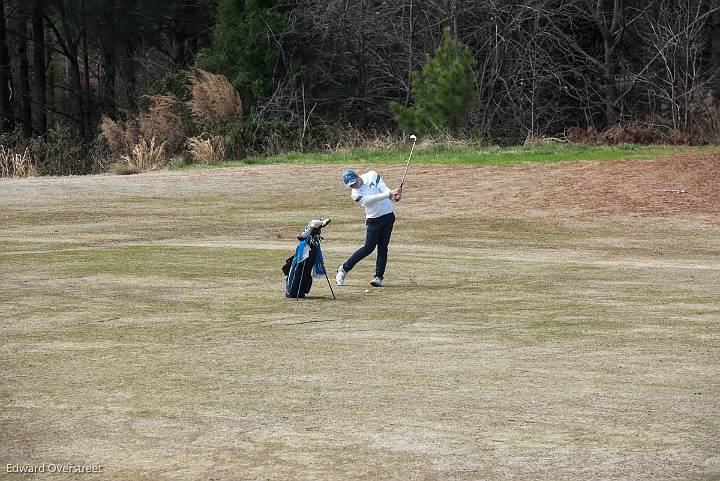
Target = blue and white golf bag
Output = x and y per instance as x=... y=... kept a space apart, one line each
x=306 y=263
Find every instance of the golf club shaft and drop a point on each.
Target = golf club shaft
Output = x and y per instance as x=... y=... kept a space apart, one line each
x=407 y=164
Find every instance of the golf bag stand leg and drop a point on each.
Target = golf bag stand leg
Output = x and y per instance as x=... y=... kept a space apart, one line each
x=322 y=264
x=301 y=279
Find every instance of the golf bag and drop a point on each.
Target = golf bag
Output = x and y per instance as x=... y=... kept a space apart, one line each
x=307 y=261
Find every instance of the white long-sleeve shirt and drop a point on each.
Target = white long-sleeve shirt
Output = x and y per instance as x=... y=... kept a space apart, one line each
x=374 y=195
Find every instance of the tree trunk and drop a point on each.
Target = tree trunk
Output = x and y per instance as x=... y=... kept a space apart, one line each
x=6 y=115
x=108 y=81
x=452 y=16
x=109 y=70
x=39 y=80
x=24 y=87
x=610 y=86
x=715 y=33
x=410 y=57
x=130 y=97
x=70 y=43
x=87 y=97
x=50 y=75
x=76 y=92
x=361 y=64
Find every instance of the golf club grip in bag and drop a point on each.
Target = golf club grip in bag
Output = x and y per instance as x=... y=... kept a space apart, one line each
x=313 y=228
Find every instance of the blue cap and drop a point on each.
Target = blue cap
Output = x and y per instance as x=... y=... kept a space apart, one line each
x=349 y=178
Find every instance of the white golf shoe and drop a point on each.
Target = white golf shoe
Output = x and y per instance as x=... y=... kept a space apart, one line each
x=340 y=277
x=376 y=282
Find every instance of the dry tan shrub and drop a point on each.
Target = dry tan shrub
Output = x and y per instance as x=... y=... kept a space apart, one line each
x=207 y=149
x=381 y=141
x=541 y=140
x=144 y=156
x=115 y=135
x=163 y=121
x=630 y=134
x=616 y=135
x=121 y=136
x=346 y=137
x=678 y=137
x=635 y=134
x=575 y=135
x=14 y=164
x=214 y=100
x=132 y=132
x=589 y=136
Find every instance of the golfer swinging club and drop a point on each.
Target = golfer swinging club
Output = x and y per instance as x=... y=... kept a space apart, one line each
x=370 y=191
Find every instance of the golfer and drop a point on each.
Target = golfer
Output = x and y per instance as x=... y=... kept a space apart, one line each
x=370 y=191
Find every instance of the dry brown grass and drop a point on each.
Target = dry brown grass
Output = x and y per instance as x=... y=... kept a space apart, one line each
x=207 y=149
x=630 y=134
x=343 y=138
x=540 y=140
x=114 y=134
x=214 y=100
x=15 y=164
x=566 y=341
x=347 y=137
x=144 y=156
x=164 y=121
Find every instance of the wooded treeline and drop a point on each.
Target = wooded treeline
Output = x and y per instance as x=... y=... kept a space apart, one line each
x=315 y=74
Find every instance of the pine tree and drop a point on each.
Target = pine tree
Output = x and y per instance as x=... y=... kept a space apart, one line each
x=243 y=47
x=443 y=91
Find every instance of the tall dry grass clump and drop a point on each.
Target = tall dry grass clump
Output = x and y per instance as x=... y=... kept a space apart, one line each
x=118 y=137
x=214 y=100
x=144 y=156
x=214 y=107
x=164 y=121
x=208 y=149
x=14 y=164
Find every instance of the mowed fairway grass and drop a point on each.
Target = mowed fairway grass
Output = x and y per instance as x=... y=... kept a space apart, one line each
x=144 y=329
x=449 y=154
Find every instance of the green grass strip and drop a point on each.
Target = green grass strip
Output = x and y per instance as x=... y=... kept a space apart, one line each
x=462 y=155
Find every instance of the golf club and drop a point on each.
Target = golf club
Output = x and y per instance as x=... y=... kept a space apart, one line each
x=413 y=138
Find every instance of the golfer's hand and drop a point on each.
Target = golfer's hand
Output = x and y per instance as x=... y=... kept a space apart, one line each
x=395 y=192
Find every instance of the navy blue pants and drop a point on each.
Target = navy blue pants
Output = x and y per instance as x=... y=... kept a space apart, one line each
x=378 y=235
